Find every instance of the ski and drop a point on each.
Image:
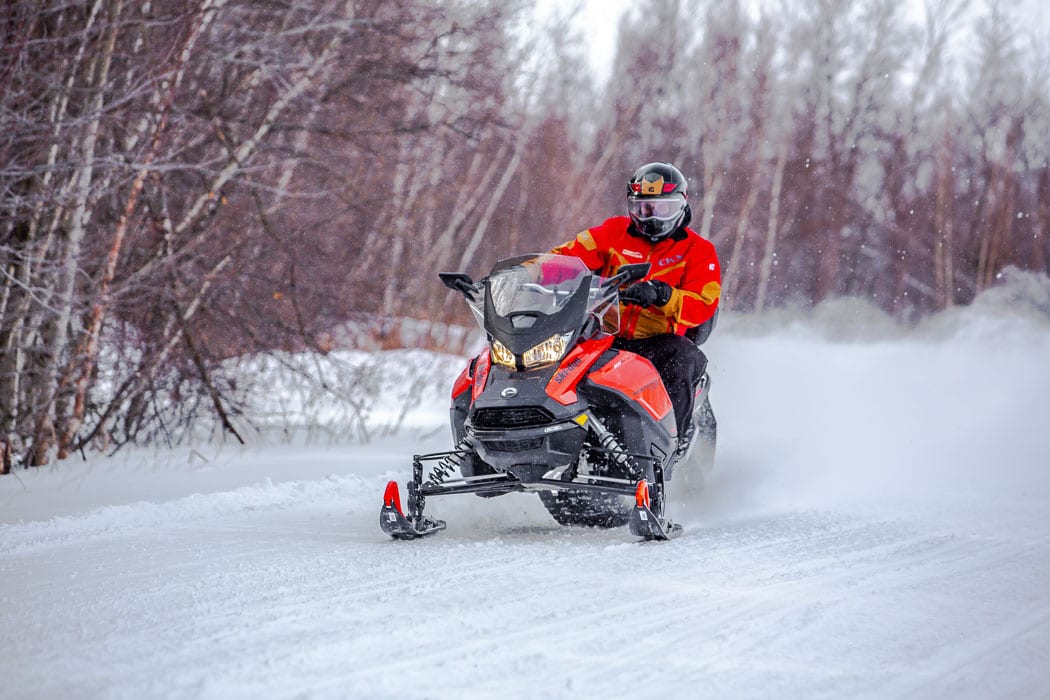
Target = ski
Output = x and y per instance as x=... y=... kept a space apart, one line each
x=393 y=521
x=646 y=524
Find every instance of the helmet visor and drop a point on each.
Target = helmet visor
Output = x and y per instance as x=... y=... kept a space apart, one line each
x=664 y=208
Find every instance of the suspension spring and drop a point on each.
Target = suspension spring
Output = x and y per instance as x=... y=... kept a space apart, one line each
x=612 y=446
x=449 y=463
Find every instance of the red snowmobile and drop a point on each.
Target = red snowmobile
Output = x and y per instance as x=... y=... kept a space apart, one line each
x=550 y=406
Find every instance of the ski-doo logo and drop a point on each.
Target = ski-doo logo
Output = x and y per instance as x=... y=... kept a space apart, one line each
x=509 y=393
x=633 y=254
x=670 y=260
x=567 y=370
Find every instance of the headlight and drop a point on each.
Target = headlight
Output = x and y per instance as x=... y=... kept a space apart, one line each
x=501 y=355
x=550 y=350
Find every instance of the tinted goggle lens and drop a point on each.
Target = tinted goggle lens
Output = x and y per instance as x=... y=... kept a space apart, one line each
x=660 y=208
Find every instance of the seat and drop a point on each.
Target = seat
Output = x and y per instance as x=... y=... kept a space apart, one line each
x=700 y=334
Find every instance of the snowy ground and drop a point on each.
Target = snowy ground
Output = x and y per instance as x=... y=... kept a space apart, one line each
x=878 y=525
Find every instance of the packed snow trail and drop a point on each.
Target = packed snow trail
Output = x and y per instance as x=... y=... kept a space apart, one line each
x=290 y=591
x=878 y=525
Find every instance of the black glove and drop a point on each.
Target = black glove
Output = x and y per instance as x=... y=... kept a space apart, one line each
x=651 y=293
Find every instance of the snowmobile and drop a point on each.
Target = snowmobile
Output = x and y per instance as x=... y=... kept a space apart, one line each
x=550 y=406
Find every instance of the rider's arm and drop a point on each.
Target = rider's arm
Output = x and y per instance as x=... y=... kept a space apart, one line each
x=584 y=247
x=695 y=298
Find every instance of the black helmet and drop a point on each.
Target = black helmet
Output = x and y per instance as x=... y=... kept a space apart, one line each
x=656 y=203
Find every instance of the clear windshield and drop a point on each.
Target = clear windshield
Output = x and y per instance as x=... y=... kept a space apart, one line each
x=545 y=283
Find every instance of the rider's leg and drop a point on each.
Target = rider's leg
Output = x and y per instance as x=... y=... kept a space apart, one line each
x=680 y=363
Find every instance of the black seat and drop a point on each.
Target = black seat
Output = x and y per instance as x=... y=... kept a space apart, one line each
x=700 y=334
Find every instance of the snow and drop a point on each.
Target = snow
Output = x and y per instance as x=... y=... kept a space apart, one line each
x=877 y=525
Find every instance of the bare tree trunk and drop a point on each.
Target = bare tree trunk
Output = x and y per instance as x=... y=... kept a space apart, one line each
x=944 y=275
x=45 y=435
x=1042 y=222
x=765 y=270
x=999 y=231
x=710 y=199
x=5 y=456
x=997 y=225
x=494 y=200
x=743 y=225
x=444 y=246
x=89 y=356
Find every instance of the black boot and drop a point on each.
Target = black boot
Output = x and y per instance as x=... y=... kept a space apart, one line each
x=685 y=438
x=684 y=441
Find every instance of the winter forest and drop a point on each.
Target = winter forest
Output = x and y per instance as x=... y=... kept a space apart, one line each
x=187 y=186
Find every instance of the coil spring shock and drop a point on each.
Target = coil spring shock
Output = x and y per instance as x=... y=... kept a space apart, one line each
x=613 y=447
x=449 y=463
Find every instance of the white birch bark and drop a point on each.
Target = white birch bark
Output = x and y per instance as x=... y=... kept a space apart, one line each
x=45 y=433
x=85 y=364
x=765 y=271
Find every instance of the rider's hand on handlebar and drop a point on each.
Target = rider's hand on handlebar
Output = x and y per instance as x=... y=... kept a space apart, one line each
x=645 y=294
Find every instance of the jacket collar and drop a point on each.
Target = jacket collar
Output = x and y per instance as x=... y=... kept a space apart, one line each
x=679 y=234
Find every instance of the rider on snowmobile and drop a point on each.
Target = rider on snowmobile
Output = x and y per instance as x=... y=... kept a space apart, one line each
x=667 y=314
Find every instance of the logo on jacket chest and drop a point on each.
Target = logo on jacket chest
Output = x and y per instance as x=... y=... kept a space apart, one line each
x=662 y=262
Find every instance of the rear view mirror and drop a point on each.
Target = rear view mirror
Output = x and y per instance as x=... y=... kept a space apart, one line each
x=459 y=282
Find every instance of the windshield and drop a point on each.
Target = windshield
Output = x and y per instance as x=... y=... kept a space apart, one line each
x=542 y=283
x=523 y=287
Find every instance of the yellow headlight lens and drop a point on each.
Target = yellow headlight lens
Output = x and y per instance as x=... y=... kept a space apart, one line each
x=501 y=355
x=550 y=350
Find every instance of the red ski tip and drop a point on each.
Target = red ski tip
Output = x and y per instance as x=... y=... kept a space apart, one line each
x=641 y=494
x=392 y=496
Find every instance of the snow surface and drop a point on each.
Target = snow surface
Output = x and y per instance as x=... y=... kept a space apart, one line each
x=877 y=526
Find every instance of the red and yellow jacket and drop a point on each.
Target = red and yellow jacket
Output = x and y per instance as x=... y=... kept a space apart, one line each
x=684 y=260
